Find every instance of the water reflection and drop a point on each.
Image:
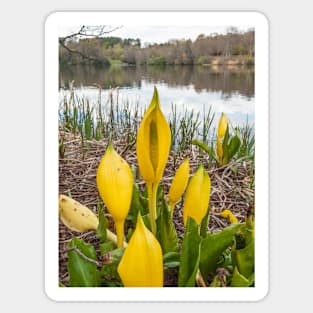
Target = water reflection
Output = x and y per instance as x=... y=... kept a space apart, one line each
x=229 y=80
x=227 y=89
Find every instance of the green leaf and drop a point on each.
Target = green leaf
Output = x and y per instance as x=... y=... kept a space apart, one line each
x=83 y=272
x=190 y=255
x=171 y=259
x=130 y=232
x=166 y=232
x=109 y=269
x=102 y=226
x=233 y=147
x=204 y=224
x=244 y=259
x=213 y=246
x=138 y=204
x=249 y=233
x=106 y=247
x=206 y=148
x=239 y=280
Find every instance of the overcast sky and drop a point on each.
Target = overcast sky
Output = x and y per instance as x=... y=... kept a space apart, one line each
x=158 y=34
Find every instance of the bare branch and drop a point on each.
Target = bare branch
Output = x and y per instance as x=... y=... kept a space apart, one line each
x=86 y=31
x=91 y=31
x=61 y=42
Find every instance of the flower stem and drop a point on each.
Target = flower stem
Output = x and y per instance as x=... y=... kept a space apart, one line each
x=152 y=193
x=112 y=237
x=172 y=207
x=120 y=232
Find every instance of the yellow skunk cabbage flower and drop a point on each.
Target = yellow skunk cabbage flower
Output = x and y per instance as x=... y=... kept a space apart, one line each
x=142 y=262
x=221 y=131
x=115 y=185
x=222 y=126
x=197 y=196
x=153 y=146
x=179 y=183
x=153 y=142
x=219 y=150
x=228 y=214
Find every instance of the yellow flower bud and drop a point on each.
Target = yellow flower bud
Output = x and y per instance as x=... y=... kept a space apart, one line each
x=197 y=196
x=228 y=214
x=153 y=142
x=222 y=126
x=179 y=183
x=142 y=262
x=115 y=185
x=219 y=150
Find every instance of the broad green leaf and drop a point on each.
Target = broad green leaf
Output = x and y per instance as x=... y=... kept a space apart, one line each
x=206 y=148
x=239 y=280
x=130 y=232
x=204 y=224
x=171 y=259
x=136 y=205
x=107 y=246
x=213 y=246
x=244 y=259
x=83 y=272
x=146 y=220
x=144 y=200
x=190 y=255
x=249 y=233
x=166 y=232
x=233 y=147
x=102 y=226
x=109 y=269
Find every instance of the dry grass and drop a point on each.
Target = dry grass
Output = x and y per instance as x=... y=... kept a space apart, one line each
x=231 y=186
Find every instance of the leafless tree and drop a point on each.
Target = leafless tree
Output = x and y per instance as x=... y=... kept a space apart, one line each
x=86 y=32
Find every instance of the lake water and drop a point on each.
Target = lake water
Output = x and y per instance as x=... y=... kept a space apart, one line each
x=225 y=89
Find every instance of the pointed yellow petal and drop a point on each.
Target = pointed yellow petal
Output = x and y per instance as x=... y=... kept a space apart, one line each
x=179 y=182
x=197 y=196
x=222 y=126
x=115 y=183
x=153 y=142
x=142 y=261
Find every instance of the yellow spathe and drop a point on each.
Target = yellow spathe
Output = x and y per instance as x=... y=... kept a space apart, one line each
x=115 y=186
x=222 y=126
x=153 y=142
x=142 y=261
x=197 y=196
x=179 y=182
x=219 y=149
